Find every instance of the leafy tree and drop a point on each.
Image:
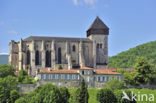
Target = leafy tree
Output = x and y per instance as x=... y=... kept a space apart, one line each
x=14 y=95
x=106 y=96
x=6 y=70
x=143 y=70
x=45 y=94
x=129 y=78
x=48 y=91
x=21 y=100
x=24 y=78
x=7 y=84
x=115 y=84
x=82 y=95
x=119 y=95
x=21 y=75
x=65 y=94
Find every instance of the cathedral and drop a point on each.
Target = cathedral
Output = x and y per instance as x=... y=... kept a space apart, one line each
x=37 y=53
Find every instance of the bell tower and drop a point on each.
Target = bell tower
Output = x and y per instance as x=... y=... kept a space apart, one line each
x=98 y=33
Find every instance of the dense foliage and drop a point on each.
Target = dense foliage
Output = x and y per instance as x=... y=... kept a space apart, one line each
x=119 y=95
x=127 y=59
x=115 y=84
x=8 y=86
x=24 y=78
x=46 y=94
x=65 y=94
x=6 y=70
x=144 y=73
x=60 y=67
x=106 y=96
x=82 y=94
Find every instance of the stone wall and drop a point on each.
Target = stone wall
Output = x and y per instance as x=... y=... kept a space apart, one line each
x=25 y=88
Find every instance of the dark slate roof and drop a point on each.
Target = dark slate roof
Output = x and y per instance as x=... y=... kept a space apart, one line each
x=31 y=38
x=98 y=24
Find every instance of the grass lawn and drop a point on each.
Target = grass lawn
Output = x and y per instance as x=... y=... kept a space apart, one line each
x=93 y=92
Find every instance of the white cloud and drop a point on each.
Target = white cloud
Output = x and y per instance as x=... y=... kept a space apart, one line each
x=12 y=32
x=87 y=2
x=90 y=2
x=75 y=2
x=4 y=53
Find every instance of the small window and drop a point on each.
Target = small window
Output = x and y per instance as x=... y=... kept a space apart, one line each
x=83 y=72
x=97 y=46
x=94 y=78
x=59 y=76
x=70 y=76
x=66 y=76
x=74 y=48
x=47 y=76
x=103 y=78
x=107 y=78
x=99 y=78
x=53 y=76
x=42 y=76
x=76 y=77
x=100 y=45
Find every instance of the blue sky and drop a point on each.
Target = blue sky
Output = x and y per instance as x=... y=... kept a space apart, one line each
x=131 y=22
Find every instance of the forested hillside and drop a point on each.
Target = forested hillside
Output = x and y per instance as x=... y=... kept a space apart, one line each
x=4 y=59
x=127 y=59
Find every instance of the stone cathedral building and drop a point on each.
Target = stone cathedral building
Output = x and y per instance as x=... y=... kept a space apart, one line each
x=37 y=53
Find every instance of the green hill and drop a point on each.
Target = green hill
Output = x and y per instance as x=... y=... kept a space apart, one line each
x=4 y=59
x=127 y=58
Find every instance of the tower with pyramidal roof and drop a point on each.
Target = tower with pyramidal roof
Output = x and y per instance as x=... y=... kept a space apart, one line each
x=98 y=32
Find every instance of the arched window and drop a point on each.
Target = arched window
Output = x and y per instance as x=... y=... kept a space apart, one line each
x=59 y=55
x=37 y=61
x=48 y=58
x=98 y=45
x=74 y=48
x=28 y=57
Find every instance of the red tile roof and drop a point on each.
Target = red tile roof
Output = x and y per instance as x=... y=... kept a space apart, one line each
x=87 y=68
x=106 y=71
x=59 y=71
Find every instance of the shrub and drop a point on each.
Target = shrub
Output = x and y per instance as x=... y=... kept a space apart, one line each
x=7 y=84
x=115 y=84
x=20 y=100
x=6 y=70
x=119 y=95
x=82 y=94
x=65 y=94
x=14 y=95
x=106 y=96
x=60 y=67
x=24 y=78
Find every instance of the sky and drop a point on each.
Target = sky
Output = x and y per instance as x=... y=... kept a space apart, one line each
x=131 y=22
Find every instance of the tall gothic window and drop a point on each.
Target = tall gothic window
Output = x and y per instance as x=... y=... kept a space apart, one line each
x=98 y=45
x=28 y=57
x=74 y=48
x=101 y=46
x=37 y=61
x=48 y=58
x=59 y=55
